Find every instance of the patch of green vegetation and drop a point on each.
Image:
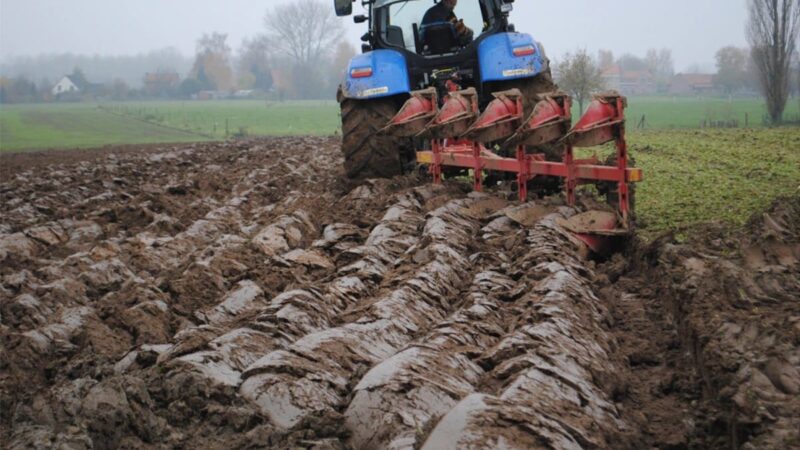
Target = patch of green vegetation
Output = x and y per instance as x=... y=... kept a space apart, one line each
x=82 y=125
x=691 y=112
x=696 y=176
x=24 y=127
x=222 y=119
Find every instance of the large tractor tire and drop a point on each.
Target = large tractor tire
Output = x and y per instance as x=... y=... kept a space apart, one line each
x=368 y=154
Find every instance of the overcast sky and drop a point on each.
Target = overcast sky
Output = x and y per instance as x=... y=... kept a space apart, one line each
x=693 y=29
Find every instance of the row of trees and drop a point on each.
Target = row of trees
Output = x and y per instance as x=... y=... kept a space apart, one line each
x=769 y=65
x=44 y=70
x=657 y=62
x=22 y=90
x=297 y=55
x=580 y=74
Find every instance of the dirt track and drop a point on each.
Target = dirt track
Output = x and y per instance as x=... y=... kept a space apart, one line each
x=238 y=295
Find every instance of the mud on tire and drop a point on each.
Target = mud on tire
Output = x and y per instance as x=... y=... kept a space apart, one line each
x=366 y=153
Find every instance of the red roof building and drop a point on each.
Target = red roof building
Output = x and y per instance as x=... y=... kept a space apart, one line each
x=692 y=84
x=631 y=82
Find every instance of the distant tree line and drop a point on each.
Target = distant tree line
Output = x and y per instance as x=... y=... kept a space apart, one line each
x=49 y=68
x=771 y=66
x=20 y=89
x=299 y=55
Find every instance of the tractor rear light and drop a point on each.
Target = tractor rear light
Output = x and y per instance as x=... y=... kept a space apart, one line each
x=361 y=72
x=525 y=50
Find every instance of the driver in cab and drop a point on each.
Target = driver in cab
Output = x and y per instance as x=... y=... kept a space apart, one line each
x=443 y=12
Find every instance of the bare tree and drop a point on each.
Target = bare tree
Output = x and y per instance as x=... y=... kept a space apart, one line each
x=216 y=43
x=341 y=58
x=694 y=68
x=660 y=62
x=305 y=30
x=254 y=65
x=661 y=65
x=212 y=66
x=772 y=31
x=798 y=82
x=579 y=75
x=629 y=62
x=796 y=74
x=605 y=59
x=731 y=68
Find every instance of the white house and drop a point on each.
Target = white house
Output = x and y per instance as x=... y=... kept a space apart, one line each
x=64 y=86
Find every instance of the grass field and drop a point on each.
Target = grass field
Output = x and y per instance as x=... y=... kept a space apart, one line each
x=689 y=112
x=25 y=127
x=225 y=118
x=83 y=125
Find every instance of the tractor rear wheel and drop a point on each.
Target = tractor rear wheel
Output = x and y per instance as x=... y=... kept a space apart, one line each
x=368 y=154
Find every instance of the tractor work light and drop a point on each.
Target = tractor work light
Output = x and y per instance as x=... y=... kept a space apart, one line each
x=525 y=50
x=361 y=72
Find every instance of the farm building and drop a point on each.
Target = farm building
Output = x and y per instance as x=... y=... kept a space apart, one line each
x=630 y=82
x=638 y=82
x=75 y=86
x=64 y=86
x=692 y=84
x=612 y=77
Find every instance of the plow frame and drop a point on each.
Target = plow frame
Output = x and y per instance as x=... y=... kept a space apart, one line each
x=604 y=121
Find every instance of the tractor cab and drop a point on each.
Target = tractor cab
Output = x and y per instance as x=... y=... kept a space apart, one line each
x=429 y=39
x=401 y=24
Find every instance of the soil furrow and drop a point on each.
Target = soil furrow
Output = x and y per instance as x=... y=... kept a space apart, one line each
x=239 y=295
x=314 y=375
x=552 y=379
x=264 y=326
x=397 y=400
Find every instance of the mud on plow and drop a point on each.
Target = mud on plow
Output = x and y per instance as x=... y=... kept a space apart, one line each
x=505 y=140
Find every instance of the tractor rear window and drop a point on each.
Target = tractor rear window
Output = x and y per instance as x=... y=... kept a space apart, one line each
x=398 y=20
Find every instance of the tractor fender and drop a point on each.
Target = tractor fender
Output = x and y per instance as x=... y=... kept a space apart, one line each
x=498 y=61
x=389 y=75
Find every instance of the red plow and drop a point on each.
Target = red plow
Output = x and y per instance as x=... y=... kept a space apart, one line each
x=461 y=137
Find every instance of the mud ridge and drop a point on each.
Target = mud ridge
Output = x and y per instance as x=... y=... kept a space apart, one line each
x=312 y=376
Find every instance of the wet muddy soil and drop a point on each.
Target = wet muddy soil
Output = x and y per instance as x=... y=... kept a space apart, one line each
x=239 y=295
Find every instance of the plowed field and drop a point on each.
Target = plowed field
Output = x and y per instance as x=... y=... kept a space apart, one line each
x=238 y=295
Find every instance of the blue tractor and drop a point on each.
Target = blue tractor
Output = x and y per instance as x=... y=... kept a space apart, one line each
x=428 y=49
